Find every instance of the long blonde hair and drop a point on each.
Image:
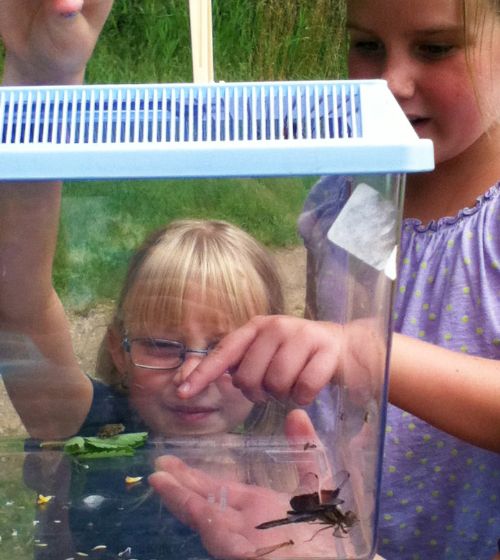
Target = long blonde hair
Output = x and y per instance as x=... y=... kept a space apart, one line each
x=229 y=271
x=475 y=14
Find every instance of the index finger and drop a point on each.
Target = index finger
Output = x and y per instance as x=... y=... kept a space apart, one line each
x=226 y=356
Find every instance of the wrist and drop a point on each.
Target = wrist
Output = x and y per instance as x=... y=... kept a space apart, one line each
x=18 y=73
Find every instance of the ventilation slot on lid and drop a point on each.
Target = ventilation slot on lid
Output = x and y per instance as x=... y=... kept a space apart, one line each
x=184 y=129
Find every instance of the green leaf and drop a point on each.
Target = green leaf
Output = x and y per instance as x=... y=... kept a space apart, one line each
x=74 y=445
x=98 y=443
x=96 y=447
x=125 y=452
x=135 y=439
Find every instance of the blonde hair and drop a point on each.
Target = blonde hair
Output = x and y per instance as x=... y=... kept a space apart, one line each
x=475 y=15
x=225 y=267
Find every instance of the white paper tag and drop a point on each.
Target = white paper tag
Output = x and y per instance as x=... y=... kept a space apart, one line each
x=366 y=228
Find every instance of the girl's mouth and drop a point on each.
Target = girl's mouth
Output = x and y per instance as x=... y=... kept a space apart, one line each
x=193 y=413
x=418 y=122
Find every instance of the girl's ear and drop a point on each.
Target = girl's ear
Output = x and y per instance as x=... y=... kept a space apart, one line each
x=116 y=351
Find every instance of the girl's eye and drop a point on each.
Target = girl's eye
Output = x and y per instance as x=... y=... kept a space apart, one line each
x=213 y=344
x=160 y=348
x=367 y=47
x=435 y=51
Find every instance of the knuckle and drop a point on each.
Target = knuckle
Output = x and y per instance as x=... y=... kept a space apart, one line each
x=275 y=387
x=304 y=392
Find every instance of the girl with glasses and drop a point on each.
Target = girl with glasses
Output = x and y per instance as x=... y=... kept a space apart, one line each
x=188 y=286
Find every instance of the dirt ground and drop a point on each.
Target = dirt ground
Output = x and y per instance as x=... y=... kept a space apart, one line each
x=88 y=330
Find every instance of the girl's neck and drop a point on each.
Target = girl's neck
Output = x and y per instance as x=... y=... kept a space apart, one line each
x=454 y=184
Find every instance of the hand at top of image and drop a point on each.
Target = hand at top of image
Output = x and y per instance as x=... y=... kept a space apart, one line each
x=49 y=41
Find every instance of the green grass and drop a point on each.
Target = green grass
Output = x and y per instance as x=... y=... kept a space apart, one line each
x=149 y=41
x=102 y=223
x=17 y=504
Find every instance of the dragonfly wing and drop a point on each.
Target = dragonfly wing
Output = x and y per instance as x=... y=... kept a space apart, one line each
x=330 y=497
x=340 y=479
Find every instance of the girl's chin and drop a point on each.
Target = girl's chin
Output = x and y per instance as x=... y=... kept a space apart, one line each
x=199 y=424
x=195 y=422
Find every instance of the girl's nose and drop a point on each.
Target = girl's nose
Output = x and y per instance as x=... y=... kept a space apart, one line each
x=400 y=75
x=191 y=361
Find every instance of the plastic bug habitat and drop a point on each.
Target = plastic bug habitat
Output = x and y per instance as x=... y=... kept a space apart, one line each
x=292 y=493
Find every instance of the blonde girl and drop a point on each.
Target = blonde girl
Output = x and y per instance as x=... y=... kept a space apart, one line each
x=187 y=286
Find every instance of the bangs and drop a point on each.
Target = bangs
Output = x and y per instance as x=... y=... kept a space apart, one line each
x=194 y=268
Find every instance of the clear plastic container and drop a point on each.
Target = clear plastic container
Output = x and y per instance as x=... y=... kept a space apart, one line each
x=312 y=494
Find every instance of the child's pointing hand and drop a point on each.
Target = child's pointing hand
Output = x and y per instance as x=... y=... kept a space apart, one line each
x=286 y=357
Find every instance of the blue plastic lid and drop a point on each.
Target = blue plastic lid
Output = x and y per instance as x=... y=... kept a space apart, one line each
x=216 y=130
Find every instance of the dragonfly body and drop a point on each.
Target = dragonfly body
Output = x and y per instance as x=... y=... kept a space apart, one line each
x=329 y=514
x=319 y=508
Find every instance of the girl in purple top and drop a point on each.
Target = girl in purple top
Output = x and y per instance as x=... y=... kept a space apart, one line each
x=440 y=494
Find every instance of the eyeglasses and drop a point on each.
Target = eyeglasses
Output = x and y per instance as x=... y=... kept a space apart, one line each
x=159 y=354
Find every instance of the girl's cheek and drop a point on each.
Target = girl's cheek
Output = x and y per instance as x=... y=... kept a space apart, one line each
x=361 y=68
x=225 y=386
x=234 y=397
x=148 y=382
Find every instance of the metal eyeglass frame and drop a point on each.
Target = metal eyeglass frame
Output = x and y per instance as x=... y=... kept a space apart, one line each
x=127 y=346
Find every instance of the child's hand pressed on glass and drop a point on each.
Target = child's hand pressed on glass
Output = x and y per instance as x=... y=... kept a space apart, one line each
x=226 y=513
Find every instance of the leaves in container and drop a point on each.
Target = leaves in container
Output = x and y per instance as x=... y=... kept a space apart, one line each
x=121 y=445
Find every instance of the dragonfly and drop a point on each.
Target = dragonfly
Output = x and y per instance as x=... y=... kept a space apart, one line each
x=322 y=508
